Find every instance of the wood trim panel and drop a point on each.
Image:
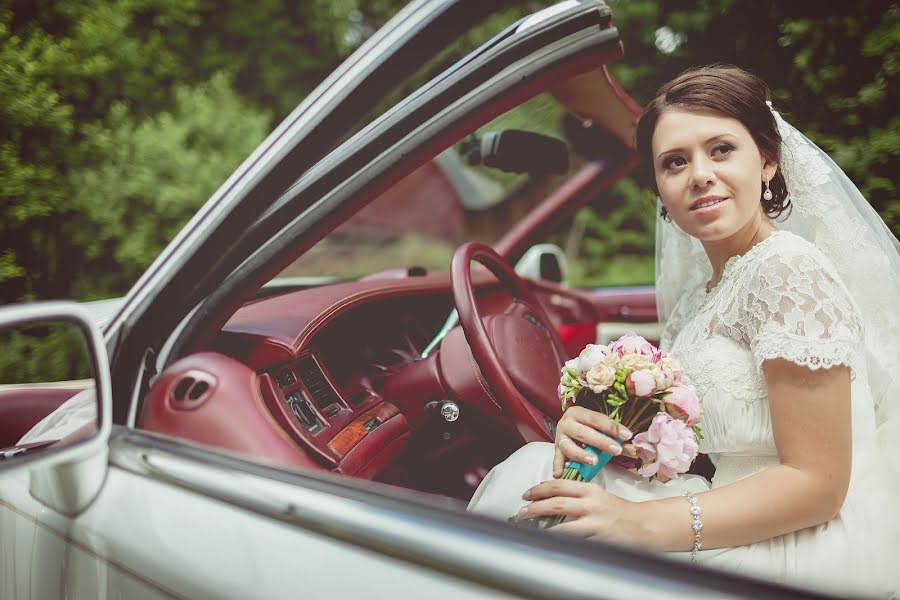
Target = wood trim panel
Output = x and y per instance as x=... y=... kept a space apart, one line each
x=354 y=433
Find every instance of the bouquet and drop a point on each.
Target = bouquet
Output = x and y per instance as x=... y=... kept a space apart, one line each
x=644 y=389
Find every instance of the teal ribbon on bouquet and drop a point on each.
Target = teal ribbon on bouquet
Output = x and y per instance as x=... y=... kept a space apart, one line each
x=588 y=472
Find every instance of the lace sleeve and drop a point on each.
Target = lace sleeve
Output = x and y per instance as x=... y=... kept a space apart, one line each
x=799 y=310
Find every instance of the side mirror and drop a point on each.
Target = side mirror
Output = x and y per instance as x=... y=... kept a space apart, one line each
x=544 y=261
x=55 y=402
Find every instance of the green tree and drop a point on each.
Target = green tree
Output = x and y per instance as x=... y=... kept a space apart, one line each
x=76 y=79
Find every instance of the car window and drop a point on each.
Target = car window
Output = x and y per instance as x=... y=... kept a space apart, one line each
x=452 y=198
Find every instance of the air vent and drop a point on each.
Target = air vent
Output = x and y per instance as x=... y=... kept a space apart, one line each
x=315 y=383
x=182 y=388
x=191 y=390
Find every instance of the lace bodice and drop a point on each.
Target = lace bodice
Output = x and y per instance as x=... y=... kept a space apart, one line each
x=782 y=299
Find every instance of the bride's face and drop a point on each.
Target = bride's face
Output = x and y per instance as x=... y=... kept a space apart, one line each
x=708 y=172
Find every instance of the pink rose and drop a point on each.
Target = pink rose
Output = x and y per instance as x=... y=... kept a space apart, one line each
x=640 y=384
x=682 y=402
x=668 y=447
x=633 y=344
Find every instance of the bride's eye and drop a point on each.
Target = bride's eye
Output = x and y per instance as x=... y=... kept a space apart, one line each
x=722 y=149
x=674 y=161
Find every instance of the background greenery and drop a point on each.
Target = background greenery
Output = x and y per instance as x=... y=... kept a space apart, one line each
x=118 y=118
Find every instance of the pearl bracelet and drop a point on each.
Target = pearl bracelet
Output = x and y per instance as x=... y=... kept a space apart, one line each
x=696 y=525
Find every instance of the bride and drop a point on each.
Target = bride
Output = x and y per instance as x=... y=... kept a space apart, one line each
x=778 y=287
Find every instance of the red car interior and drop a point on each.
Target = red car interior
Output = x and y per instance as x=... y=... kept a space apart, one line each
x=21 y=407
x=334 y=379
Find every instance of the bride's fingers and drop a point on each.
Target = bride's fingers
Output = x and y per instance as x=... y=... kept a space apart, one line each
x=575 y=527
x=569 y=449
x=559 y=459
x=580 y=416
x=591 y=437
x=551 y=507
x=557 y=488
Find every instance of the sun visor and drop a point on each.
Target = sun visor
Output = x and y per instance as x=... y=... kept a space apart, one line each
x=595 y=96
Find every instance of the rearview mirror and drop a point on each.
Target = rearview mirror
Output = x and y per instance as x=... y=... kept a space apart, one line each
x=517 y=151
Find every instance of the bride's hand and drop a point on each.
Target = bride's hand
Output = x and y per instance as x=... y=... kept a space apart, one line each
x=591 y=511
x=581 y=426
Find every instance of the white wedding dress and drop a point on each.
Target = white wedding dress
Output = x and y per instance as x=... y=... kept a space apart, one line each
x=782 y=299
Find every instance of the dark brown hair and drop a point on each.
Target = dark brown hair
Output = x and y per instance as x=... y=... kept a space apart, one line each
x=726 y=90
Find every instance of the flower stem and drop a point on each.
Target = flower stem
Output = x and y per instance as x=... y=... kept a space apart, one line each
x=633 y=424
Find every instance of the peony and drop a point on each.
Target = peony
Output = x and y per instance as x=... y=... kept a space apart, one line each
x=672 y=363
x=664 y=378
x=682 y=402
x=633 y=344
x=591 y=357
x=600 y=377
x=640 y=384
x=668 y=447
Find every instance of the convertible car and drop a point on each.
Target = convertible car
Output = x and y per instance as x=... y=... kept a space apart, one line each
x=301 y=393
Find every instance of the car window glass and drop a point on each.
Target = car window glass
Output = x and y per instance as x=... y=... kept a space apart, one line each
x=452 y=198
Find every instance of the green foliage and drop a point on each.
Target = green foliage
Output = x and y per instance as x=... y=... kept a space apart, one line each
x=44 y=353
x=146 y=177
x=85 y=89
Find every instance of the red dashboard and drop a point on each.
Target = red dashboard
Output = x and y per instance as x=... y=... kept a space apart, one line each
x=332 y=378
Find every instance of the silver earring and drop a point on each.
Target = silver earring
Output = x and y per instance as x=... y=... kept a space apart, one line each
x=767 y=195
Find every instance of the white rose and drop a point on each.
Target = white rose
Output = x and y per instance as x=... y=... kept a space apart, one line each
x=600 y=378
x=635 y=361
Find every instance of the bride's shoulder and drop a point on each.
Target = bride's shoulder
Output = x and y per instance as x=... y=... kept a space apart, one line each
x=785 y=252
x=791 y=267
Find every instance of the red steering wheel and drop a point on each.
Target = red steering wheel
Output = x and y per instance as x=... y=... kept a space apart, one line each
x=518 y=350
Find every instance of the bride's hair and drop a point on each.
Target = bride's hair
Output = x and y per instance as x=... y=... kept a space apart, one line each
x=729 y=91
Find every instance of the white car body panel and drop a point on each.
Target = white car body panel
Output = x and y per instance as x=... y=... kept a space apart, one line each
x=142 y=538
